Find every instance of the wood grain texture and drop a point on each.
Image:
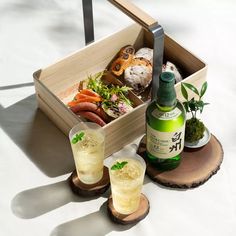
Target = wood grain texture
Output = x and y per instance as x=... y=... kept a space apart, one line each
x=196 y=167
x=89 y=190
x=134 y=12
x=133 y=218
x=58 y=81
x=91 y=59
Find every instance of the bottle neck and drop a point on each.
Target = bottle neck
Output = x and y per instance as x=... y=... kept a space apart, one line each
x=166 y=95
x=166 y=98
x=165 y=108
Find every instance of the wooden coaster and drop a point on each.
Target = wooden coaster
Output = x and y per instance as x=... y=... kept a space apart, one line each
x=89 y=190
x=132 y=218
x=196 y=167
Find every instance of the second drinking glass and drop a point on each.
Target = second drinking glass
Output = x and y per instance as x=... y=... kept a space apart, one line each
x=126 y=177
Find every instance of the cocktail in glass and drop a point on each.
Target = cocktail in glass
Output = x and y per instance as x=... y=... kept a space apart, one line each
x=126 y=177
x=87 y=143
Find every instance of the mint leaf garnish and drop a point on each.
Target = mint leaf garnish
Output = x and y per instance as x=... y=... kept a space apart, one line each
x=119 y=165
x=78 y=137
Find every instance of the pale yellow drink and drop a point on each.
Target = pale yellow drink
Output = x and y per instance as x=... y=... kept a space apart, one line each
x=88 y=153
x=126 y=184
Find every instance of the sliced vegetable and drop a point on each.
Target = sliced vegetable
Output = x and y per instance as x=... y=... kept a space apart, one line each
x=112 y=112
x=72 y=103
x=84 y=96
x=90 y=92
x=85 y=100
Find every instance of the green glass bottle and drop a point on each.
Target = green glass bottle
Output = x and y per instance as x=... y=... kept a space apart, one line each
x=165 y=126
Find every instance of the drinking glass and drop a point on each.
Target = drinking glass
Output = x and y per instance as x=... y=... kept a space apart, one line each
x=127 y=182
x=87 y=143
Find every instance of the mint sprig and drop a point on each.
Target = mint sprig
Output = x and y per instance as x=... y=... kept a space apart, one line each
x=119 y=165
x=78 y=137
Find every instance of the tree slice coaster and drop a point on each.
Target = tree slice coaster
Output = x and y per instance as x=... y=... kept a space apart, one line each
x=132 y=218
x=196 y=167
x=89 y=190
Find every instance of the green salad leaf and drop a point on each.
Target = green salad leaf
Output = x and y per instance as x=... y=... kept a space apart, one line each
x=106 y=91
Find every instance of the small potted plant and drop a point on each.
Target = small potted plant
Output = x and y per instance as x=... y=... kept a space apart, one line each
x=195 y=129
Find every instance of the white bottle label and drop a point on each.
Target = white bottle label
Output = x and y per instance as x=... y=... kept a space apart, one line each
x=166 y=115
x=165 y=144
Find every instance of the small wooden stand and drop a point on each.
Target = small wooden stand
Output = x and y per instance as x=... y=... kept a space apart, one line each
x=196 y=167
x=89 y=190
x=132 y=218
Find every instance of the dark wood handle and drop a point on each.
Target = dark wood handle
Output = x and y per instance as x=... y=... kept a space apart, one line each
x=134 y=12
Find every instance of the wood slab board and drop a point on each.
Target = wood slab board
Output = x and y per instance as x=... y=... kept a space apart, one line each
x=196 y=167
x=132 y=218
x=89 y=190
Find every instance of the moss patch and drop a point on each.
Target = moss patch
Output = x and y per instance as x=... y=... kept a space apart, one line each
x=194 y=130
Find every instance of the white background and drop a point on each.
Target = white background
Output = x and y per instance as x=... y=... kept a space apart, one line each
x=35 y=157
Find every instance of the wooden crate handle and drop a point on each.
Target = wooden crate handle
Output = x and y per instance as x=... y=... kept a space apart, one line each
x=135 y=13
x=150 y=24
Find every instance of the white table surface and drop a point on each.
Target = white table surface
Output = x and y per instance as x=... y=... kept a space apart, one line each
x=36 y=159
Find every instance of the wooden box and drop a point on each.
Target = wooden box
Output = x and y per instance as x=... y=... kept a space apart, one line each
x=56 y=84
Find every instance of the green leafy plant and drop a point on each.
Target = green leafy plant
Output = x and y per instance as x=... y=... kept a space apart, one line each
x=195 y=128
x=119 y=165
x=78 y=137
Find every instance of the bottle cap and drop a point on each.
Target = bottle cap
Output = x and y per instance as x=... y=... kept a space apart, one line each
x=166 y=95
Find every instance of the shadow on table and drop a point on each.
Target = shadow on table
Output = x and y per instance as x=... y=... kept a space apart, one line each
x=34 y=202
x=43 y=143
x=96 y=223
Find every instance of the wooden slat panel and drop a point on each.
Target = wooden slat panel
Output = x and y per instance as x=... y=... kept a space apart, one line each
x=58 y=78
x=177 y=54
x=89 y=60
x=125 y=129
x=197 y=79
x=50 y=113
x=58 y=107
x=181 y=56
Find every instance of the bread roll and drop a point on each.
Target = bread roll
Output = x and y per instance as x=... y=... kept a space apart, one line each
x=146 y=53
x=138 y=77
x=141 y=62
x=170 y=67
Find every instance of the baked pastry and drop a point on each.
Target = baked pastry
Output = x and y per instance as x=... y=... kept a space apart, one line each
x=146 y=53
x=170 y=67
x=121 y=63
x=127 y=49
x=124 y=59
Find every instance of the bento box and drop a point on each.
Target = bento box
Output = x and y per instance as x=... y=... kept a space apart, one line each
x=57 y=83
